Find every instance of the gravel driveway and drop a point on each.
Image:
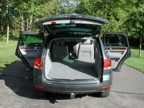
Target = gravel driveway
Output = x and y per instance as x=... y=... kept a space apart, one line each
x=17 y=91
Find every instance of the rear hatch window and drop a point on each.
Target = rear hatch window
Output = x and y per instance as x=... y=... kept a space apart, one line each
x=87 y=28
x=73 y=23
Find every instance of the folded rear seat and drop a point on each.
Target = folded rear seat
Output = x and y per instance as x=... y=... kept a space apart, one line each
x=86 y=51
x=59 y=52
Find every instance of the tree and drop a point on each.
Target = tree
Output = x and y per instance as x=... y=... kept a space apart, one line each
x=68 y=6
x=4 y=16
x=23 y=13
x=123 y=15
x=27 y=11
x=135 y=22
x=2 y=8
x=112 y=10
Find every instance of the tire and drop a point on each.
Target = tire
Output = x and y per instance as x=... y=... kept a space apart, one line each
x=39 y=94
x=105 y=93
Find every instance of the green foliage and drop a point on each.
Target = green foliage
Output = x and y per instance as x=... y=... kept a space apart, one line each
x=114 y=13
x=24 y=13
x=123 y=15
x=135 y=21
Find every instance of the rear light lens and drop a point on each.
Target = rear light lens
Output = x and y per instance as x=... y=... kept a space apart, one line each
x=107 y=64
x=106 y=87
x=38 y=63
x=39 y=86
x=53 y=22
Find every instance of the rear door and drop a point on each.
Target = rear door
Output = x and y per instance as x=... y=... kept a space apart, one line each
x=75 y=24
x=117 y=48
x=29 y=45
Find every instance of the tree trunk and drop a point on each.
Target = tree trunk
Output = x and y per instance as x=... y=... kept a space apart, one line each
x=2 y=19
x=27 y=24
x=140 y=46
x=30 y=23
x=7 y=32
x=22 y=22
x=1 y=24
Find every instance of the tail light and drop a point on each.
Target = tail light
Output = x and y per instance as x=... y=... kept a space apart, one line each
x=106 y=86
x=53 y=22
x=107 y=64
x=39 y=86
x=38 y=63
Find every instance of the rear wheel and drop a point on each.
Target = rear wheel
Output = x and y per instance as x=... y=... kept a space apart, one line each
x=105 y=93
x=39 y=94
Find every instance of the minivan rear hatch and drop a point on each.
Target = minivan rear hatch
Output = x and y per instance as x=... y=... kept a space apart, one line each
x=73 y=24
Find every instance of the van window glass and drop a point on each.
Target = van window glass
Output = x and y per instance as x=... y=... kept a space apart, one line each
x=31 y=39
x=87 y=28
x=114 y=40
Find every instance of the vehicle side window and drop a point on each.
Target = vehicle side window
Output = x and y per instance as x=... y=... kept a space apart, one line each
x=115 y=40
x=28 y=39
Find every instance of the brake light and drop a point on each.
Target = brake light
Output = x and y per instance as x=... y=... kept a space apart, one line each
x=107 y=64
x=39 y=86
x=105 y=87
x=53 y=22
x=38 y=63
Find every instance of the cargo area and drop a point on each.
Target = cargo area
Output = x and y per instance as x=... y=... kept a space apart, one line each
x=61 y=70
x=71 y=59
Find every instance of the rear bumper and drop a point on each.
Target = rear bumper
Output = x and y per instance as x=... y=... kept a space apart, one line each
x=73 y=88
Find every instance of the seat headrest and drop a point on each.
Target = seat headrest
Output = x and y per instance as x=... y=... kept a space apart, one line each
x=60 y=42
x=87 y=41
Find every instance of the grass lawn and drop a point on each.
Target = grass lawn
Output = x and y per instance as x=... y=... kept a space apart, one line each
x=7 y=53
x=135 y=61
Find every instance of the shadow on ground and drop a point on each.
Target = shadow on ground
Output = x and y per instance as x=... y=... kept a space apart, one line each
x=20 y=81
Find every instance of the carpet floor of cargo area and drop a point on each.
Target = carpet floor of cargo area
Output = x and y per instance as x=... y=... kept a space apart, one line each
x=61 y=70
